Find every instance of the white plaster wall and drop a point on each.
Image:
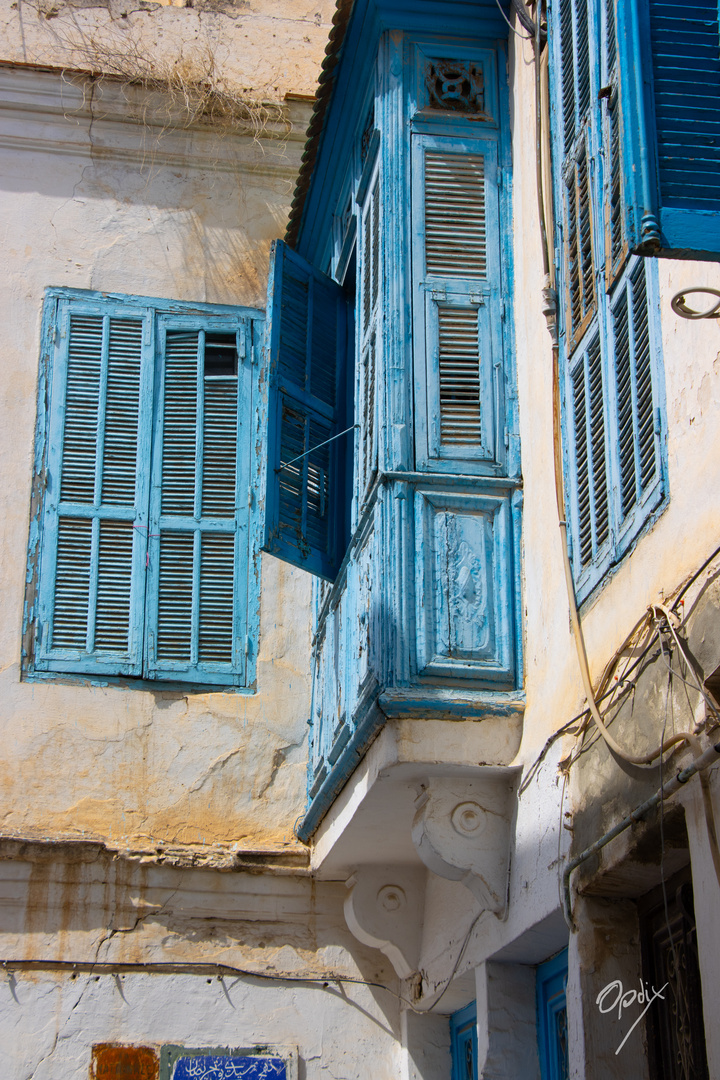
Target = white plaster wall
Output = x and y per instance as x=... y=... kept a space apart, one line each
x=90 y=200
x=50 y=1021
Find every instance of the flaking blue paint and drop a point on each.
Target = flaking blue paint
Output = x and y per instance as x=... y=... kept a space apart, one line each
x=367 y=643
x=249 y=584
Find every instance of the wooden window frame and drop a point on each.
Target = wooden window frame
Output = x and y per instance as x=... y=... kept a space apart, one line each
x=142 y=663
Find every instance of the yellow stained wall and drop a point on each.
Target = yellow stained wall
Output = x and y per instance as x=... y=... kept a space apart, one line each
x=100 y=192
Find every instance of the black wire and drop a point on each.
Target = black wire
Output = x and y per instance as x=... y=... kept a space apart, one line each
x=525 y=37
x=190 y=967
x=694 y=578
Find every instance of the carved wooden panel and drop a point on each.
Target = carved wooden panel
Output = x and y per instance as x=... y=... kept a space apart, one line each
x=464 y=561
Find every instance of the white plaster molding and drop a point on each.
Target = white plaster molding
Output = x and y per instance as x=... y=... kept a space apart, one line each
x=55 y=113
x=384 y=910
x=462 y=831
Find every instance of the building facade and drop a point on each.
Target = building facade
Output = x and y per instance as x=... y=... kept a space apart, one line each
x=361 y=651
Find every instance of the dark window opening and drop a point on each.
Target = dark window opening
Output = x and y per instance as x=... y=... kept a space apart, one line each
x=221 y=355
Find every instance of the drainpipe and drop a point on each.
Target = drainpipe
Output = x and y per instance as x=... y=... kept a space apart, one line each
x=705 y=760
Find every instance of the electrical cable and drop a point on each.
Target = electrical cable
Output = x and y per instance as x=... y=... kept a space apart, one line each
x=695 y=576
x=459 y=957
x=524 y=36
x=190 y=968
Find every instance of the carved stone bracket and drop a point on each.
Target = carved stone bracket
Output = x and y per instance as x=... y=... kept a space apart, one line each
x=384 y=910
x=462 y=831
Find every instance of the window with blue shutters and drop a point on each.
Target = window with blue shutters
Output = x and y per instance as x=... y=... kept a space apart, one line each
x=142 y=546
x=614 y=408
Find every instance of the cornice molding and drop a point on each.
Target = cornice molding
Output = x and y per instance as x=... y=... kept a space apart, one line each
x=98 y=119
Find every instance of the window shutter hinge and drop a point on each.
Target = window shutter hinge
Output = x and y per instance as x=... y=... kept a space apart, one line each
x=248 y=645
x=507 y=438
x=439 y=294
x=657 y=422
x=251 y=498
x=500 y=178
x=503 y=309
x=146 y=331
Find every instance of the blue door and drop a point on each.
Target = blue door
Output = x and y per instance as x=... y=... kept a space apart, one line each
x=551 y=981
x=463 y=1043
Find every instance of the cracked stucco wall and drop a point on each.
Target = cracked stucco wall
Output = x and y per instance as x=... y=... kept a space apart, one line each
x=95 y=199
x=263 y=48
x=101 y=913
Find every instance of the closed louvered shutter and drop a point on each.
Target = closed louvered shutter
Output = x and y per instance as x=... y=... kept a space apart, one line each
x=456 y=267
x=90 y=604
x=575 y=103
x=638 y=446
x=306 y=504
x=590 y=478
x=369 y=337
x=198 y=550
x=669 y=67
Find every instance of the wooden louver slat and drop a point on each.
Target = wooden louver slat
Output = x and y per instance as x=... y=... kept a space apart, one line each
x=592 y=493
x=175 y=596
x=643 y=379
x=72 y=583
x=112 y=619
x=84 y=371
x=686 y=80
x=455 y=225
x=180 y=415
x=122 y=412
x=460 y=407
x=623 y=376
x=217 y=560
x=219 y=455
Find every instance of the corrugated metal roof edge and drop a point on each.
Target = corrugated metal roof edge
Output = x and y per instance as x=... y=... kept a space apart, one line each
x=323 y=94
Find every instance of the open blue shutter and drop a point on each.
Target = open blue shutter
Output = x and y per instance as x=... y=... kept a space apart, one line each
x=305 y=509
x=669 y=60
x=198 y=553
x=92 y=570
x=457 y=302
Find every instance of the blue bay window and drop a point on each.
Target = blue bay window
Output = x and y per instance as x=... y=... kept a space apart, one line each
x=141 y=561
x=393 y=450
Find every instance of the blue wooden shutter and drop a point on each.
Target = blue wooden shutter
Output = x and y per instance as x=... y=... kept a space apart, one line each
x=198 y=552
x=638 y=449
x=669 y=60
x=369 y=340
x=457 y=303
x=306 y=504
x=92 y=567
x=589 y=465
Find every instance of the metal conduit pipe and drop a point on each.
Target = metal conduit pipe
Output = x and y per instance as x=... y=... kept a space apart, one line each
x=708 y=758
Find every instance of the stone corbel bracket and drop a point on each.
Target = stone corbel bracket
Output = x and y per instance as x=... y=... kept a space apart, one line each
x=463 y=831
x=384 y=910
